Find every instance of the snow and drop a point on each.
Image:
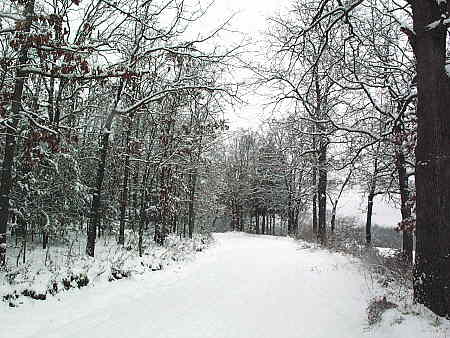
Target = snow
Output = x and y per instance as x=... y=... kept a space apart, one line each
x=44 y=268
x=447 y=70
x=433 y=25
x=387 y=252
x=244 y=286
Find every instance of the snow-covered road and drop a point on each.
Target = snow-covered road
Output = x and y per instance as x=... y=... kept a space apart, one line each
x=245 y=286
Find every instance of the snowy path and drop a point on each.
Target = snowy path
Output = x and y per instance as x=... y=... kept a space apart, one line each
x=245 y=286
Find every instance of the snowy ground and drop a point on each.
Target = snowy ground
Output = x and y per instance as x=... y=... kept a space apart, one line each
x=245 y=286
x=54 y=269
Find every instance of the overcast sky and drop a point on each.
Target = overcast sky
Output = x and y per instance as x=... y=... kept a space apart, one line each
x=249 y=18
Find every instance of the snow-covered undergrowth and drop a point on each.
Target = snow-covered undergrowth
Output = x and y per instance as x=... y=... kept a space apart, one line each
x=393 y=307
x=391 y=310
x=61 y=268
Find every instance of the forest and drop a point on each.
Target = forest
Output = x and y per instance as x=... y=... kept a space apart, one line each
x=114 y=127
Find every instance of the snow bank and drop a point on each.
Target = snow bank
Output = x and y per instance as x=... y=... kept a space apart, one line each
x=62 y=268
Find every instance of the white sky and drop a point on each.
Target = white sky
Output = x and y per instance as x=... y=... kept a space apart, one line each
x=354 y=203
x=251 y=20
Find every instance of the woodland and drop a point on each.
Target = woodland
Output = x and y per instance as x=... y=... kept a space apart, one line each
x=113 y=120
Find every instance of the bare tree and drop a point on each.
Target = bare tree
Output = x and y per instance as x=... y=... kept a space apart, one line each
x=428 y=38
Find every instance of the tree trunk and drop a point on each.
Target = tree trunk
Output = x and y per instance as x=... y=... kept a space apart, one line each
x=281 y=225
x=267 y=224
x=193 y=184
x=25 y=233
x=405 y=208
x=135 y=196
x=333 y=218
x=290 y=221
x=336 y=201
x=369 y=218
x=257 y=222
x=263 y=225
x=232 y=215
x=94 y=222
x=295 y=217
x=126 y=174
x=11 y=130
x=141 y=225
x=432 y=269
x=135 y=183
x=322 y=192
x=165 y=213
x=143 y=200
x=314 y=201
x=273 y=224
x=44 y=239
x=371 y=196
x=213 y=226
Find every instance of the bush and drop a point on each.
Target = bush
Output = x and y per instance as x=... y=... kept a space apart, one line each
x=71 y=281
